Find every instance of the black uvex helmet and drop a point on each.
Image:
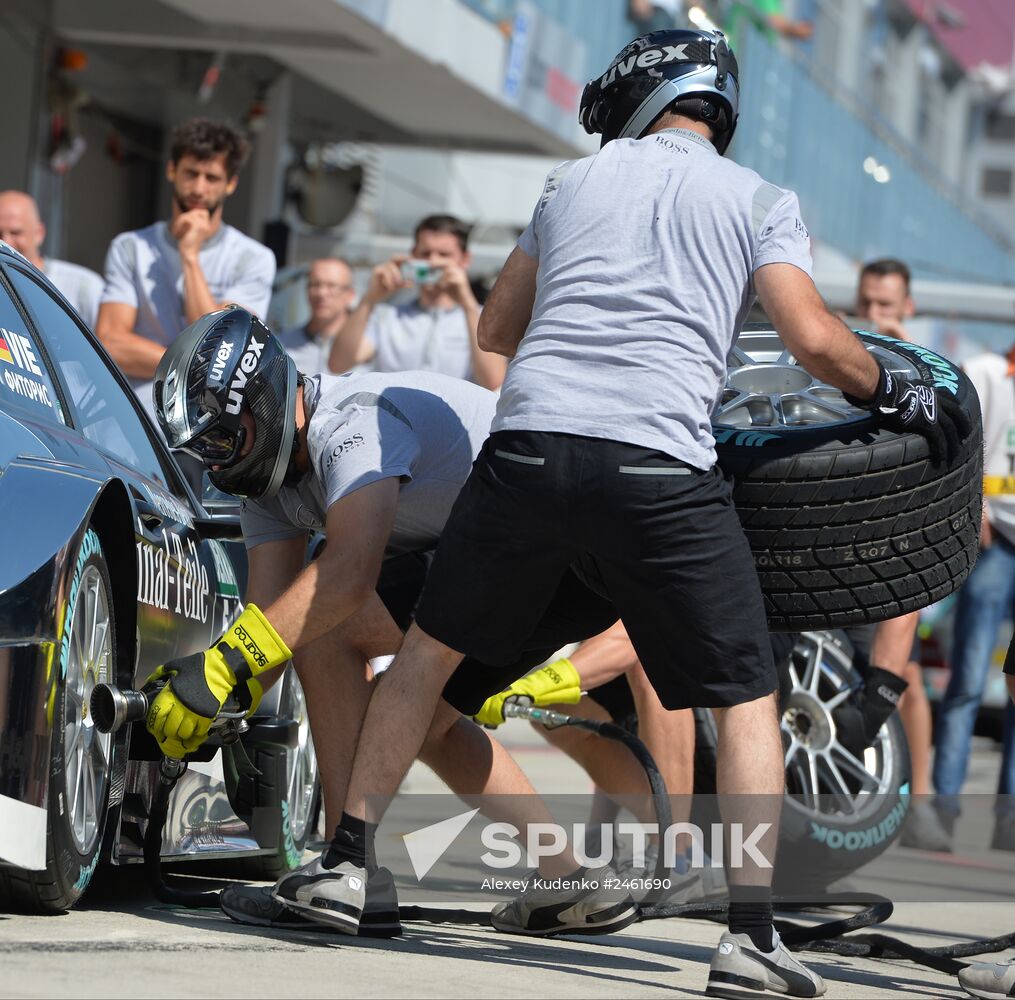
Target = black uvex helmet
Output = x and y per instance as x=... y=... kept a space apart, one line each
x=225 y=363
x=696 y=68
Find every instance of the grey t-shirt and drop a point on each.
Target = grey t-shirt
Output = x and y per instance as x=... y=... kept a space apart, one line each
x=143 y=270
x=407 y=337
x=311 y=352
x=646 y=254
x=81 y=287
x=421 y=427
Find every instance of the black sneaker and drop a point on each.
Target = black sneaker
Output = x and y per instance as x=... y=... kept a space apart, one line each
x=255 y=906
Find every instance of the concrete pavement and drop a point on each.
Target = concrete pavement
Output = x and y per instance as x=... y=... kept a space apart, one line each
x=120 y=943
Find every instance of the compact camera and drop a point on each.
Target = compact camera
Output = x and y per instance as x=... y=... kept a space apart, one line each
x=419 y=272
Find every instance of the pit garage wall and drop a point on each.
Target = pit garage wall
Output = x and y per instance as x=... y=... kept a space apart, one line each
x=21 y=54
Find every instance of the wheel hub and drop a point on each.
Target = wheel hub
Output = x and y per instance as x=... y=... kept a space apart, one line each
x=808 y=722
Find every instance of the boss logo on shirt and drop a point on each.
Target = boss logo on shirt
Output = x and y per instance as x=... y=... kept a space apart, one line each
x=659 y=56
x=347 y=445
x=248 y=363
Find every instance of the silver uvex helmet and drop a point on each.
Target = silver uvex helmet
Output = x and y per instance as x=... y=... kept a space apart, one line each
x=225 y=364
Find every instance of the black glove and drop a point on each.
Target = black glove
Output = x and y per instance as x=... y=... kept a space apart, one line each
x=919 y=408
x=859 y=720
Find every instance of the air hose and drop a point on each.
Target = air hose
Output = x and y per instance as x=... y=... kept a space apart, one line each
x=166 y=888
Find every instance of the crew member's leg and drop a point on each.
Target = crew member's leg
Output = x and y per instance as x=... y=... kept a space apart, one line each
x=675 y=561
x=331 y=672
x=892 y=648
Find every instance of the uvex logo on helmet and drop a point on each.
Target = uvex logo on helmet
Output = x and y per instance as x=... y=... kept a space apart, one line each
x=224 y=353
x=659 y=56
x=248 y=363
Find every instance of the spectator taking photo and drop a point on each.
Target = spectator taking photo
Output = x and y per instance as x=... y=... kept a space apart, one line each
x=436 y=331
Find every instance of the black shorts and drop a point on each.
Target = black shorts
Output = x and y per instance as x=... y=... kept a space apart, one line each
x=615 y=696
x=665 y=541
x=573 y=614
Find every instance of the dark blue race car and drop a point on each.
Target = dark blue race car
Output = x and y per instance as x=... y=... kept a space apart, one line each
x=110 y=565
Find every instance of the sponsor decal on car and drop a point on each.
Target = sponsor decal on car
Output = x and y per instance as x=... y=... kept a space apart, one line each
x=226 y=584
x=169 y=506
x=17 y=351
x=171 y=576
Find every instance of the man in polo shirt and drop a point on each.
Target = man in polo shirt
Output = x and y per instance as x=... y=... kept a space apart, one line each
x=435 y=330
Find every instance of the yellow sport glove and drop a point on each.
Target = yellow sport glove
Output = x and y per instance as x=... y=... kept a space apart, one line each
x=556 y=683
x=181 y=715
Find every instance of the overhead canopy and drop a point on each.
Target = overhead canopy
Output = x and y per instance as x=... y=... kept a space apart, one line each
x=359 y=70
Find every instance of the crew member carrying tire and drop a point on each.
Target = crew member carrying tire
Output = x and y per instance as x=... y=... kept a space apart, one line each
x=619 y=308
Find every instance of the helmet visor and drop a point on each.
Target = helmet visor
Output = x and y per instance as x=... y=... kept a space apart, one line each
x=218 y=445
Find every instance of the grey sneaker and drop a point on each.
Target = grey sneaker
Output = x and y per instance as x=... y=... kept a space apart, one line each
x=591 y=903
x=255 y=905
x=692 y=885
x=1004 y=834
x=924 y=830
x=992 y=981
x=333 y=896
x=739 y=969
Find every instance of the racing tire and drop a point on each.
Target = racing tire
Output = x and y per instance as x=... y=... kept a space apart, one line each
x=281 y=804
x=80 y=756
x=826 y=832
x=849 y=522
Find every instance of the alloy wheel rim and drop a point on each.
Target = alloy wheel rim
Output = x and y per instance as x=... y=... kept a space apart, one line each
x=301 y=765
x=767 y=387
x=86 y=751
x=821 y=774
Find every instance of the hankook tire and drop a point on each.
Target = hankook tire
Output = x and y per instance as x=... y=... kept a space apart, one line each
x=849 y=522
x=80 y=755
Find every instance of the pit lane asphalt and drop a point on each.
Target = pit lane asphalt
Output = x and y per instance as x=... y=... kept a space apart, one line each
x=120 y=943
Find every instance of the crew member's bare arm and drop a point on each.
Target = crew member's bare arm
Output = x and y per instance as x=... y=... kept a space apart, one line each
x=818 y=340
x=341 y=581
x=135 y=354
x=271 y=568
x=508 y=310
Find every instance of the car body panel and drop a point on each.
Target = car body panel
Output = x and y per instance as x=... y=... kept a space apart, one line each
x=174 y=591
